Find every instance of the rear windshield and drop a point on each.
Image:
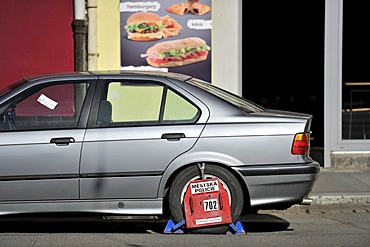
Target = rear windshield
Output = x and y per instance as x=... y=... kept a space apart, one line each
x=233 y=99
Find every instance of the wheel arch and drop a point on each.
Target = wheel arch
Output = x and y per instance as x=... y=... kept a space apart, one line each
x=180 y=164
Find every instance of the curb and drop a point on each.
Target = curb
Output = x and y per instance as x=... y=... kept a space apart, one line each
x=340 y=200
x=329 y=204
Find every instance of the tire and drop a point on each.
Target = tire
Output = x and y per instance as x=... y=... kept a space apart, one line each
x=228 y=180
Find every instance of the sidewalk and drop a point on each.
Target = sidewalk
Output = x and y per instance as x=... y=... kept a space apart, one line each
x=335 y=191
x=338 y=186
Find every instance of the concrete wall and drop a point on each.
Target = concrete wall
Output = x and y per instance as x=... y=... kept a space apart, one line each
x=108 y=34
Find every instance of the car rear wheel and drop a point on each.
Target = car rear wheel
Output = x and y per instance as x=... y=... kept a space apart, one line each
x=229 y=182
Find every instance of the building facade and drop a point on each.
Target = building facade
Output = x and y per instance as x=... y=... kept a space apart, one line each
x=36 y=38
x=347 y=84
x=312 y=59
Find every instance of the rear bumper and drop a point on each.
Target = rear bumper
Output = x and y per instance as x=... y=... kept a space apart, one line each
x=279 y=186
x=281 y=169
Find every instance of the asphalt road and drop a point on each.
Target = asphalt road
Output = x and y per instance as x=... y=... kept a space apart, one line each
x=334 y=227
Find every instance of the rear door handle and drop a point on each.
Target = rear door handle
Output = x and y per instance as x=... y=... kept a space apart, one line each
x=62 y=141
x=173 y=136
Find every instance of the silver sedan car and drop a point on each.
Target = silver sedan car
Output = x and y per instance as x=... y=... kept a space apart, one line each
x=129 y=143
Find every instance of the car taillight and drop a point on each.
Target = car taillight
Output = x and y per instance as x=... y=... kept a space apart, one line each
x=301 y=144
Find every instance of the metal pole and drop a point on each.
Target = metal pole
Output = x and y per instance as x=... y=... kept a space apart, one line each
x=80 y=33
x=201 y=167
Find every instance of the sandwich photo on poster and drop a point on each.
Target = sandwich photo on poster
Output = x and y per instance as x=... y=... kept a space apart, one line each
x=167 y=35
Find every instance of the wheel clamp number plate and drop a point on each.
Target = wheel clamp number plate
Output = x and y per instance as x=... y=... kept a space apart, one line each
x=206 y=203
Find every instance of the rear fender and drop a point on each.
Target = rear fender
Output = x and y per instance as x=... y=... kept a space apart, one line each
x=194 y=158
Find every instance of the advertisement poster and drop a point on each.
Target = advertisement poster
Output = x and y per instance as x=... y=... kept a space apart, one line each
x=167 y=35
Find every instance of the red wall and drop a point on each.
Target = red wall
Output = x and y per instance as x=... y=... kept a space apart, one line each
x=36 y=38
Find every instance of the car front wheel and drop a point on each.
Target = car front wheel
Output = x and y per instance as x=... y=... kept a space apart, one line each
x=226 y=178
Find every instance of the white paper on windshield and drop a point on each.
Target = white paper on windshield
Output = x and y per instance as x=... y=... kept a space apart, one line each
x=46 y=101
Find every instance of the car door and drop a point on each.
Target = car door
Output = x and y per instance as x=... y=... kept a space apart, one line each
x=141 y=127
x=40 y=142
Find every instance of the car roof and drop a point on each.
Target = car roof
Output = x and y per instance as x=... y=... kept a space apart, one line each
x=181 y=77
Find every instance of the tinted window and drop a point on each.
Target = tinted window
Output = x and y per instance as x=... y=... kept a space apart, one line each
x=143 y=103
x=178 y=109
x=52 y=106
x=135 y=103
x=231 y=98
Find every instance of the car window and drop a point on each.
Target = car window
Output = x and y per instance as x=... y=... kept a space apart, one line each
x=143 y=103
x=135 y=104
x=178 y=109
x=49 y=106
x=241 y=103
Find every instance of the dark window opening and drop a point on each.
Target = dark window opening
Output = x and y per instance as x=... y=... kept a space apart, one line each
x=283 y=56
x=355 y=71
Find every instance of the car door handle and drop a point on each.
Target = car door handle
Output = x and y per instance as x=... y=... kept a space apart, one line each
x=173 y=136
x=62 y=141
